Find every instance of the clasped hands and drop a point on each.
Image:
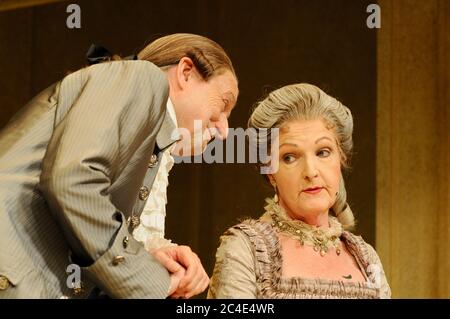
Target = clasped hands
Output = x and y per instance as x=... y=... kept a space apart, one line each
x=187 y=275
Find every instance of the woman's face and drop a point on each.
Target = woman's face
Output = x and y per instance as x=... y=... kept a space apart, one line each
x=309 y=168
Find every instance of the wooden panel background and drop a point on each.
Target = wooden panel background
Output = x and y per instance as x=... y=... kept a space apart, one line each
x=412 y=215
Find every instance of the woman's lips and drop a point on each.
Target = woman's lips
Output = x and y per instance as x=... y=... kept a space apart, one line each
x=314 y=190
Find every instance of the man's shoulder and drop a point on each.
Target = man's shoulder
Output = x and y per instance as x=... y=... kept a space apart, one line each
x=127 y=70
x=141 y=79
x=133 y=69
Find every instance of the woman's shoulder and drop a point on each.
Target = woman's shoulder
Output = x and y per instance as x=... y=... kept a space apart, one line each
x=235 y=244
x=255 y=236
x=364 y=249
x=370 y=260
x=251 y=227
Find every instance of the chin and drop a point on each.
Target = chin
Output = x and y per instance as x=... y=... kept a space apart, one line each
x=196 y=150
x=313 y=210
x=189 y=149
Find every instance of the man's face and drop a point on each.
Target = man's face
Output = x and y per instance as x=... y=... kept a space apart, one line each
x=202 y=109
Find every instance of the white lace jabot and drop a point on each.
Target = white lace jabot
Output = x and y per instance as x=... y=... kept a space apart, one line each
x=151 y=229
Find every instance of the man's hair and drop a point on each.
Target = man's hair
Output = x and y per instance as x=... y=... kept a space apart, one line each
x=208 y=57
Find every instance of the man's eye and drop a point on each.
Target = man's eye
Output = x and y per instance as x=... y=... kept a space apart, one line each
x=225 y=104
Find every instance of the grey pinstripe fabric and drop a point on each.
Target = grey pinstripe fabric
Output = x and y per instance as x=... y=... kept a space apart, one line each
x=71 y=165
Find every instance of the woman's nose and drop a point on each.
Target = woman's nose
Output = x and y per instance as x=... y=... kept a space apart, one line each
x=310 y=169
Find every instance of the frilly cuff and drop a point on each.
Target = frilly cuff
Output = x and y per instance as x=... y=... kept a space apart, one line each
x=154 y=242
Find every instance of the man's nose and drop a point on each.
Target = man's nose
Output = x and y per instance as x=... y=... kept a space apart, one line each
x=222 y=126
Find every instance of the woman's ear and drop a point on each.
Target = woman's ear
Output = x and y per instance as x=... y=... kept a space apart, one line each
x=185 y=69
x=271 y=179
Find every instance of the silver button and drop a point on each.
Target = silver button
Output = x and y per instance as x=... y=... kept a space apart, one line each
x=117 y=260
x=143 y=193
x=133 y=221
x=78 y=289
x=153 y=161
x=4 y=283
x=125 y=241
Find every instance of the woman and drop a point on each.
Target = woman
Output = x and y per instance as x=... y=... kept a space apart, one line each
x=301 y=246
x=78 y=164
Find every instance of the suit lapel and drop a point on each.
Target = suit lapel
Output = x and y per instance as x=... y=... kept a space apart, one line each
x=168 y=133
x=166 y=136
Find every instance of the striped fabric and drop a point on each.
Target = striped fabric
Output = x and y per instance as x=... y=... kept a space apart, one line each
x=72 y=162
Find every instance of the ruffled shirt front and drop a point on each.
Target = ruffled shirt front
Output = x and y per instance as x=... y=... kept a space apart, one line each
x=153 y=215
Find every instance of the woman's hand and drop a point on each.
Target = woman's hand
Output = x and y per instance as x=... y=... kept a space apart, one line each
x=188 y=277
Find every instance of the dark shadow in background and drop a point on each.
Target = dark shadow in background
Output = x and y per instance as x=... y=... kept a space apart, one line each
x=271 y=43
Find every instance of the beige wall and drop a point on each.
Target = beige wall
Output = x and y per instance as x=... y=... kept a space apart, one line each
x=412 y=214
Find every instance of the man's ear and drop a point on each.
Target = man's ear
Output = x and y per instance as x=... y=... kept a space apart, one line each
x=185 y=71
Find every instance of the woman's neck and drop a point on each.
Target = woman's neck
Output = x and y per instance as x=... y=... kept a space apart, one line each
x=316 y=219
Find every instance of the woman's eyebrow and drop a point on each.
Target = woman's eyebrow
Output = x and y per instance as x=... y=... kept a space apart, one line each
x=322 y=138
x=289 y=144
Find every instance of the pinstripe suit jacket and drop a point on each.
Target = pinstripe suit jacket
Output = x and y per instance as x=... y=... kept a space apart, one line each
x=72 y=162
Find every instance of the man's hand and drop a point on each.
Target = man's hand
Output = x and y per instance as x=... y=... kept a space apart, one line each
x=188 y=277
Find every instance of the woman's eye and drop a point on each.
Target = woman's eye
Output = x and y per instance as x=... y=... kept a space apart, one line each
x=288 y=159
x=324 y=153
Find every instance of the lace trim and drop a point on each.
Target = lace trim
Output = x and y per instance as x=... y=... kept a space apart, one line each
x=151 y=230
x=272 y=285
x=154 y=213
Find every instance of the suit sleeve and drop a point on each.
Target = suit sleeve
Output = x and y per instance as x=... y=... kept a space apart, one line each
x=120 y=104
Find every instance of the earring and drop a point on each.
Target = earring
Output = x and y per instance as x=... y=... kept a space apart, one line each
x=275 y=197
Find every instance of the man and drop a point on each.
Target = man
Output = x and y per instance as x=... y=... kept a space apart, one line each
x=78 y=163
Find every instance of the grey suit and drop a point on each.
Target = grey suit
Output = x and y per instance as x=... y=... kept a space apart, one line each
x=72 y=163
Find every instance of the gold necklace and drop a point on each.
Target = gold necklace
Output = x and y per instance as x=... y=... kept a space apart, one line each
x=322 y=240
